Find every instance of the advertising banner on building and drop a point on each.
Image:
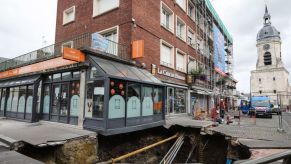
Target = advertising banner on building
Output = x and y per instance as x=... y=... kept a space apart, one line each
x=219 y=52
x=99 y=42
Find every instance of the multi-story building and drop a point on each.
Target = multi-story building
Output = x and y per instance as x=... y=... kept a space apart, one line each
x=139 y=61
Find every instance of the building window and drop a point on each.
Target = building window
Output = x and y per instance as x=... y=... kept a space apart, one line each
x=192 y=65
x=167 y=17
x=158 y=96
x=180 y=61
x=275 y=91
x=95 y=99
x=191 y=10
x=69 y=15
x=112 y=36
x=46 y=99
x=167 y=55
x=116 y=108
x=267 y=58
x=274 y=78
x=69 y=44
x=147 y=101
x=191 y=38
x=133 y=101
x=182 y=4
x=102 y=6
x=260 y=92
x=180 y=29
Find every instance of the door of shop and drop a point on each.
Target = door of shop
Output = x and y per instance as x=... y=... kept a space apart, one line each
x=170 y=100
x=60 y=103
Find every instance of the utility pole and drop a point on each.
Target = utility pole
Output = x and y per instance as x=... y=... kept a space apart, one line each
x=280 y=129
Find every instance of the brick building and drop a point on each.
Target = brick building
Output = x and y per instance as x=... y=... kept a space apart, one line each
x=122 y=65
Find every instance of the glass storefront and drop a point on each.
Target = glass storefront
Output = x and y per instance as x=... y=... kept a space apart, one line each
x=176 y=100
x=61 y=97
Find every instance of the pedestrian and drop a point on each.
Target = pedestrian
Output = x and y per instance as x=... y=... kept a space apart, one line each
x=222 y=108
x=288 y=110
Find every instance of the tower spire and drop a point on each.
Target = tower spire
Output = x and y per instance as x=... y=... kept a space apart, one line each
x=267 y=16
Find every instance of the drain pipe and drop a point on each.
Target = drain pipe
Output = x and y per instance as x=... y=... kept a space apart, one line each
x=114 y=160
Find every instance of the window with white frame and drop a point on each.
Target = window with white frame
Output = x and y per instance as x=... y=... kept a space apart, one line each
x=192 y=66
x=167 y=17
x=180 y=61
x=166 y=56
x=191 y=38
x=102 y=6
x=182 y=4
x=69 y=44
x=69 y=15
x=191 y=10
x=180 y=28
x=112 y=36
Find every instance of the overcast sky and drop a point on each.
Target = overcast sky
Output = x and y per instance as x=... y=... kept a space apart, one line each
x=29 y=25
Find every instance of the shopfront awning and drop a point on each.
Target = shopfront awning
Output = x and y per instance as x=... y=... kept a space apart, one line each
x=19 y=81
x=124 y=71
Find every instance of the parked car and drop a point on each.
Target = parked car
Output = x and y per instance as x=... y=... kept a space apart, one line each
x=260 y=106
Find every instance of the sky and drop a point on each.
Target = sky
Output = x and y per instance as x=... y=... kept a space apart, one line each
x=29 y=25
x=243 y=19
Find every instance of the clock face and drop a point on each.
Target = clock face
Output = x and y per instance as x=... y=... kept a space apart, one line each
x=266 y=47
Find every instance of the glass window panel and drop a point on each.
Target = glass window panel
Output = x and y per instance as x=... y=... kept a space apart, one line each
x=133 y=102
x=180 y=62
x=95 y=99
x=57 y=77
x=64 y=100
x=108 y=67
x=38 y=97
x=158 y=96
x=105 y=5
x=76 y=75
x=48 y=78
x=46 y=99
x=9 y=101
x=147 y=101
x=3 y=99
x=29 y=99
x=117 y=99
x=75 y=99
x=95 y=73
x=166 y=54
x=0 y=98
x=66 y=75
x=125 y=71
x=56 y=99
x=180 y=100
x=22 y=97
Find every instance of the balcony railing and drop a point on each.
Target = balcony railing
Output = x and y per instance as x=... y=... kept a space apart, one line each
x=55 y=50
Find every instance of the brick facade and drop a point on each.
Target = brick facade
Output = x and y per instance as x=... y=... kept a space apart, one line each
x=146 y=14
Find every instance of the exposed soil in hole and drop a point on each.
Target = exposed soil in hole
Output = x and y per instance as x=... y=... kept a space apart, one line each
x=208 y=149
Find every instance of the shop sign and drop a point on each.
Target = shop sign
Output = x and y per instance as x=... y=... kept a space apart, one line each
x=170 y=74
x=99 y=42
x=41 y=66
x=73 y=54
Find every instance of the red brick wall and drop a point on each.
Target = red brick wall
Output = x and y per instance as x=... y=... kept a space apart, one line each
x=84 y=22
x=147 y=16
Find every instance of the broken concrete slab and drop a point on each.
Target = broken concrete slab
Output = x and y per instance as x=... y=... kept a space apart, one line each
x=263 y=144
x=12 y=157
x=40 y=134
x=187 y=121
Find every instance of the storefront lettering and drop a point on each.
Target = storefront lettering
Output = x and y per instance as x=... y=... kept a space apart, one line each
x=170 y=74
